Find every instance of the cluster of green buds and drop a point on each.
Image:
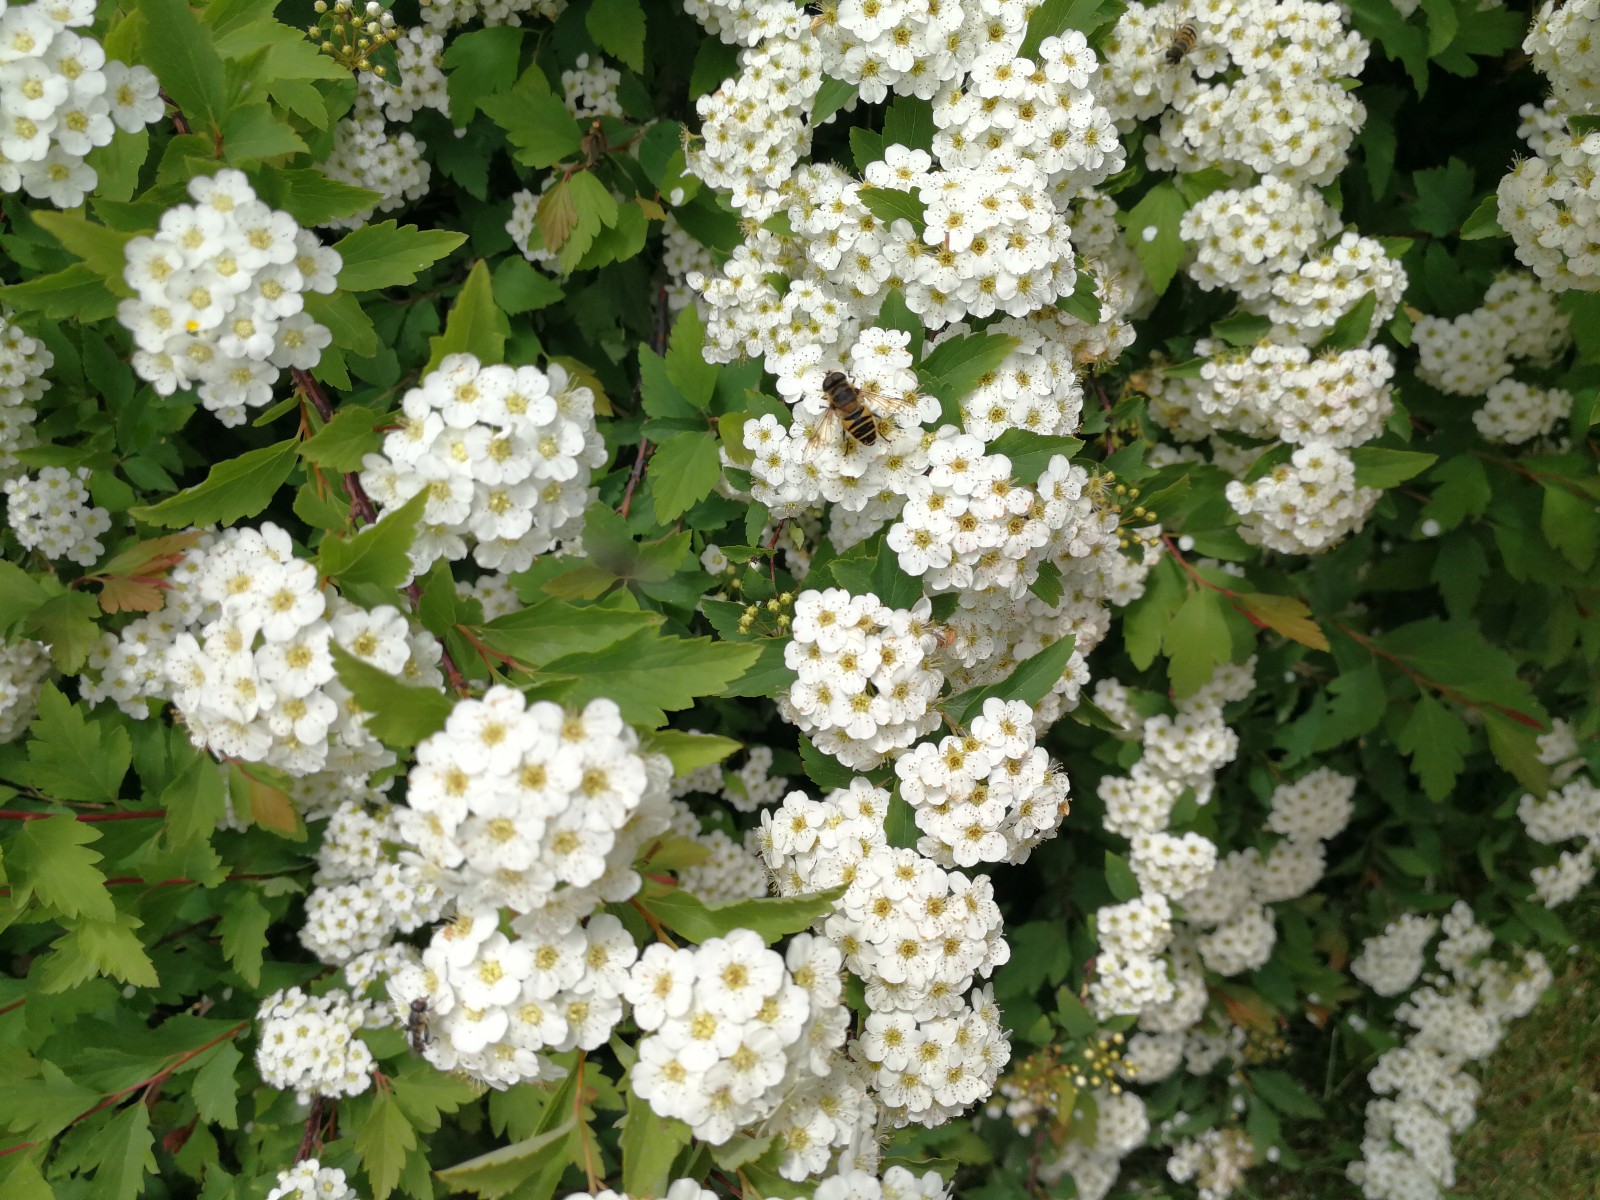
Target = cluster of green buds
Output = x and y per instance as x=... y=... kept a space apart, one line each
x=1045 y=1086
x=1262 y=1046
x=773 y=617
x=1111 y=496
x=351 y=36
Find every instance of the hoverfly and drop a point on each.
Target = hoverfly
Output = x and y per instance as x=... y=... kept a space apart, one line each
x=854 y=408
x=1182 y=42
x=417 y=1025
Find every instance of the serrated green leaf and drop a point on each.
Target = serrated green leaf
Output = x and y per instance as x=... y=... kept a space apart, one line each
x=1436 y=741
x=103 y=250
x=1380 y=468
x=68 y=625
x=309 y=196
x=252 y=132
x=50 y=859
x=1483 y=221
x=1282 y=1092
x=548 y=629
x=618 y=28
x=398 y=714
x=74 y=292
x=235 y=488
x=383 y=1140
x=686 y=367
x=650 y=674
x=958 y=365
x=770 y=917
x=1570 y=524
x=71 y=757
x=343 y=443
x=538 y=125
x=353 y=331
x=689 y=751
x=1030 y=453
x=502 y=1171
x=890 y=205
x=1515 y=747
x=1033 y=679
x=649 y=1144
x=1196 y=642
x=519 y=288
x=179 y=49
x=380 y=554
x=388 y=254
x=1120 y=878
x=125 y=1152
x=216 y=1086
x=482 y=62
x=1354 y=327
x=196 y=801
x=474 y=325
x=683 y=471
x=1152 y=229
x=20 y=594
x=908 y=122
x=243 y=930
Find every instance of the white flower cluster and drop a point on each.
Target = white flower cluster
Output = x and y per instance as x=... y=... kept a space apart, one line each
x=420 y=82
x=1281 y=391
x=590 y=91
x=897 y=1183
x=366 y=154
x=1547 y=205
x=734 y=1029
x=991 y=795
x=504 y=455
x=540 y=811
x=866 y=679
x=929 y=1071
x=678 y=1189
x=682 y=255
x=51 y=513
x=446 y=14
x=60 y=98
x=23 y=363
x=220 y=294
x=24 y=666
x=1390 y=962
x=1514 y=412
x=1270 y=243
x=308 y=1044
x=1457 y=1018
x=1261 y=90
x=1216 y=1161
x=1306 y=505
x=1121 y=1126
x=242 y=648
x=1468 y=354
x=363 y=897
x=1569 y=812
x=1565 y=50
x=310 y=1180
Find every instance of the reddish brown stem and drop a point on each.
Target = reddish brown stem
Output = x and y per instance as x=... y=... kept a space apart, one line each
x=634 y=476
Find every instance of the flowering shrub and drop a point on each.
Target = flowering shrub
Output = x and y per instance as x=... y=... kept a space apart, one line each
x=874 y=600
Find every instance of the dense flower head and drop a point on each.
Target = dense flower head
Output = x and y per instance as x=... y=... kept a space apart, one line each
x=51 y=513
x=503 y=454
x=219 y=298
x=1305 y=505
x=310 y=1180
x=308 y=1044
x=61 y=98
x=24 y=361
x=367 y=154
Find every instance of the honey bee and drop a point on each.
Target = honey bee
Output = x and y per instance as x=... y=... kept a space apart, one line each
x=417 y=1025
x=1182 y=42
x=852 y=407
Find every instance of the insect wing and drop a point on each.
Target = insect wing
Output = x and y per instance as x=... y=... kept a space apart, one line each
x=826 y=430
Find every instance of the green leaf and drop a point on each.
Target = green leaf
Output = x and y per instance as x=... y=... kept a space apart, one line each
x=196 y=801
x=1444 y=195
x=1083 y=303
x=1515 y=747
x=890 y=205
x=309 y=196
x=383 y=1139
x=399 y=714
x=683 y=471
x=482 y=63
x=179 y=49
x=103 y=250
x=519 y=288
x=908 y=122
x=502 y=1171
x=690 y=373
x=243 y=930
x=866 y=147
x=650 y=674
x=71 y=757
x=1353 y=328
x=649 y=1144
x=538 y=125
x=1463 y=489
x=833 y=95
x=548 y=629
x=68 y=624
x=823 y=770
x=1380 y=21
x=1570 y=524
x=352 y=329
x=125 y=1148
x=1047 y=585
x=1035 y=678
x=1196 y=642
x=216 y=1087
x=689 y=751
x=770 y=917
x=74 y=293
x=1146 y=619
x=1483 y=221
x=380 y=554
x=344 y=442
x=1285 y=1095
x=1380 y=468
x=958 y=365
x=233 y=489
x=1120 y=878
x=390 y=255
x=474 y=325
x=1436 y=741
x=1030 y=453
x=1152 y=232
x=592 y=207
x=20 y=594
x=617 y=27
x=252 y=132
x=49 y=858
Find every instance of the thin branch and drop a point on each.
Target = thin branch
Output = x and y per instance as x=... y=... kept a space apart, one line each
x=11 y=814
